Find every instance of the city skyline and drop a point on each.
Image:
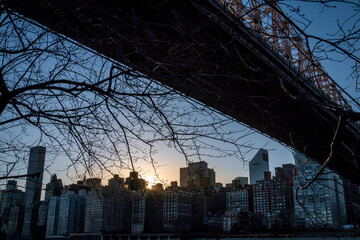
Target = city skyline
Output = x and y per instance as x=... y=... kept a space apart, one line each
x=151 y=180
x=226 y=169
x=195 y=203
x=176 y=118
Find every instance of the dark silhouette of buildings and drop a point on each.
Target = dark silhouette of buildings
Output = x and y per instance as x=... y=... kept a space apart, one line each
x=53 y=188
x=116 y=183
x=154 y=211
x=177 y=210
x=197 y=174
x=352 y=202
x=127 y=207
x=108 y=211
x=35 y=171
x=135 y=183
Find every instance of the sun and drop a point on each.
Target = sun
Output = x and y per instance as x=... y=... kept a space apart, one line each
x=150 y=180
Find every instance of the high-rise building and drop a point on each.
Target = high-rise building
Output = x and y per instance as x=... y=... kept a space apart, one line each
x=262 y=194
x=107 y=211
x=352 y=201
x=153 y=211
x=116 y=183
x=53 y=188
x=15 y=224
x=71 y=216
x=11 y=196
x=135 y=183
x=138 y=212
x=206 y=210
x=322 y=204
x=197 y=174
x=177 y=210
x=53 y=216
x=238 y=200
x=273 y=198
x=76 y=187
x=41 y=221
x=30 y=220
x=35 y=171
x=281 y=208
x=258 y=165
x=240 y=182
x=92 y=182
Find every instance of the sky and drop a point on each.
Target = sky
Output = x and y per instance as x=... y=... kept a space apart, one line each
x=227 y=168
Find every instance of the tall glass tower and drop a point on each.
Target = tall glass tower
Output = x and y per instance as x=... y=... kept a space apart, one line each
x=258 y=165
x=35 y=170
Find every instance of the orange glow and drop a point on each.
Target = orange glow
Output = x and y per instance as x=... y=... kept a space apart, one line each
x=150 y=181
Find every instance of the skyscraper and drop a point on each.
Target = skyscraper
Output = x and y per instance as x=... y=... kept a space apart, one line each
x=258 y=165
x=154 y=211
x=41 y=221
x=134 y=182
x=14 y=226
x=116 y=183
x=30 y=220
x=177 y=210
x=35 y=172
x=197 y=174
x=138 y=212
x=53 y=188
x=11 y=196
x=352 y=201
x=107 y=211
x=52 y=217
x=71 y=213
x=322 y=204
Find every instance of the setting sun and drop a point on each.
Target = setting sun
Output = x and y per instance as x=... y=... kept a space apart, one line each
x=150 y=181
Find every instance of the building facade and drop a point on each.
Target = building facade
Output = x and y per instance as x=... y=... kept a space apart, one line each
x=177 y=210
x=322 y=204
x=11 y=196
x=53 y=188
x=240 y=182
x=35 y=170
x=15 y=224
x=352 y=202
x=197 y=174
x=258 y=165
x=30 y=220
x=154 y=211
x=237 y=200
x=108 y=211
x=262 y=195
x=138 y=212
x=53 y=216
x=71 y=213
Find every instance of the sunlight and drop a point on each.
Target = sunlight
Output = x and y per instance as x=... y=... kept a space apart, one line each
x=150 y=181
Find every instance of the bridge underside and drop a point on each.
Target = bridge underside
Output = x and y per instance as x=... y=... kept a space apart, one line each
x=194 y=47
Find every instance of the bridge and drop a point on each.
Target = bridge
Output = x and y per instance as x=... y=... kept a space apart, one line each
x=219 y=54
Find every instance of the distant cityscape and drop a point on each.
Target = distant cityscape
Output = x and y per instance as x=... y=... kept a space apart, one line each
x=194 y=204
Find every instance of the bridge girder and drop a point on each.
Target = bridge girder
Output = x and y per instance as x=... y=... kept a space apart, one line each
x=197 y=48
